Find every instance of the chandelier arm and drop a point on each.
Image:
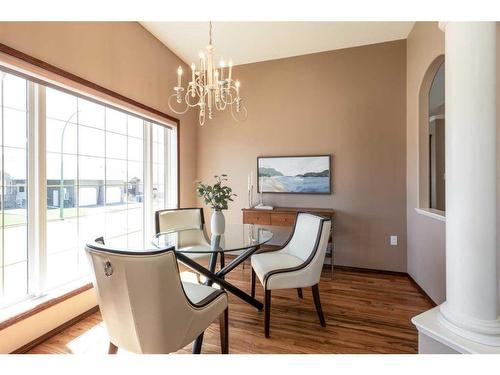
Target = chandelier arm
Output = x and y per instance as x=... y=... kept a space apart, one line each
x=198 y=88
x=172 y=108
x=224 y=96
x=231 y=100
x=242 y=118
x=222 y=106
x=188 y=102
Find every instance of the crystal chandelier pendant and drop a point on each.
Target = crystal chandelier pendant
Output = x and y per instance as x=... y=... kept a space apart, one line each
x=209 y=89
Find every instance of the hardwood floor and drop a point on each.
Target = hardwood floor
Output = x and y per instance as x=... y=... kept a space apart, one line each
x=365 y=313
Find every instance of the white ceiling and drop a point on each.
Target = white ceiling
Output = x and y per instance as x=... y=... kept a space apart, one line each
x=248 y=42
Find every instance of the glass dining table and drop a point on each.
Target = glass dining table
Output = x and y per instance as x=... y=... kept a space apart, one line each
x=239 y=240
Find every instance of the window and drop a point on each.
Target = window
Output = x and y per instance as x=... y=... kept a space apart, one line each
x=100 y=163
x=437 y=142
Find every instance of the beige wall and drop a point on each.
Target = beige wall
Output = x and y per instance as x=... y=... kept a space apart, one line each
x=120 y=56
x=426 y=237
x=29 y=329
x=349 y=103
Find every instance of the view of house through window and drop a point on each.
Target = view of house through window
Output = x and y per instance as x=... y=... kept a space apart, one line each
x=96 y=181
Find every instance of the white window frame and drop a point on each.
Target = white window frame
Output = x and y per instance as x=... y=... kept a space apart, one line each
x=36 y=187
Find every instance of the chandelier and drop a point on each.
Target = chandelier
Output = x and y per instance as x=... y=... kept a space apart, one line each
x=209 y=89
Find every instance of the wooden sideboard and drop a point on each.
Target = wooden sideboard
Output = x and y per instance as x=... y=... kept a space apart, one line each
x=285 y=217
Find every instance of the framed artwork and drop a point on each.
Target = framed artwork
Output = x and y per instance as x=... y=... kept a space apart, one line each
x=294 y=174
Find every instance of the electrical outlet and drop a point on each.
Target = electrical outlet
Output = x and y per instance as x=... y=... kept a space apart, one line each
x=394 y=240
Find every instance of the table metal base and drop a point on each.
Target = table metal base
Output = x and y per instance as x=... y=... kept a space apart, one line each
x=218 y=277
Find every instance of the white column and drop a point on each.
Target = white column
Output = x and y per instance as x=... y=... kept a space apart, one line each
x=472 y=307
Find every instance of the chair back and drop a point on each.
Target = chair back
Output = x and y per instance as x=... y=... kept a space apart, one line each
x=183 y=219
x=141 y=298
x=309 y=242
x=177 y=219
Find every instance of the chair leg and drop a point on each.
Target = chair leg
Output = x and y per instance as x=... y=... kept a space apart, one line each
x=112 y=348
x=253 y=283
x=197 y=344
x=299 y=292
x=224 y=331
x=317 y=303
x=267 y=316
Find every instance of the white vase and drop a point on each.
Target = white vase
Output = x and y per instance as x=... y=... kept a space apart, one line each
x=218 y=223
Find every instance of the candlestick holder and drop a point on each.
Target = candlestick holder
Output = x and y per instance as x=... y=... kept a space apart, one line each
x=250 y=197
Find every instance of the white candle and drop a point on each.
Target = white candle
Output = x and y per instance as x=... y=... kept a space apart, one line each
x=230 y=68
x=222 y=64
x=193 y=68
x=210 y=67
x=248 y=182
x=251 y=178
x=179 y=75
x=216 y=77
x=202 y=65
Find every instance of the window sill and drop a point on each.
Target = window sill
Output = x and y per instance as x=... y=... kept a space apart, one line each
x=432 y=213
x=23 y=310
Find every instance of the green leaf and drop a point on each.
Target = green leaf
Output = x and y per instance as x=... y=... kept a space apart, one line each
x=217 y=195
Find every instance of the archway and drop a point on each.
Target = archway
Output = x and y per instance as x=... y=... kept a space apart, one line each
x=425 y=170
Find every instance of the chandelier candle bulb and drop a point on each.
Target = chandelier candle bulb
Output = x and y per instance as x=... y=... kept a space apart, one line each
x=230 y=69
x=202 y=62
x=222 y=65
x=193 y=68
x=237 y=84
x=210 y=67
x=179 y=76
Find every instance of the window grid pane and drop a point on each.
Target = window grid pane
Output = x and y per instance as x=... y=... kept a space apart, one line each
x=13 y=189
x=105 y=196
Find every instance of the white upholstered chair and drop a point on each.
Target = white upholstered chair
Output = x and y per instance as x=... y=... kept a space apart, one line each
x=146 y=307
x=296 y=265
x=186 y=218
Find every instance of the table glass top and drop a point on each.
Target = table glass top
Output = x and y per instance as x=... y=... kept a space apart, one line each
x=236 y=237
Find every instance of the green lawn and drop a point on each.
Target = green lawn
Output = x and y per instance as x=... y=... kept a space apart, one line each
x=17 y=216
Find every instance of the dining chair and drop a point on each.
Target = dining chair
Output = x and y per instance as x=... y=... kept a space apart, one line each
x=297 y=264
x=146 y=307
x=187 y=218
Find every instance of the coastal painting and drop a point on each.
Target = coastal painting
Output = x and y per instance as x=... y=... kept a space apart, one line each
x=294 y=174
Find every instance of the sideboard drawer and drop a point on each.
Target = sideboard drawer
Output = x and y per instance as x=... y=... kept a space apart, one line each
x=283 y=220
x=263 y=218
